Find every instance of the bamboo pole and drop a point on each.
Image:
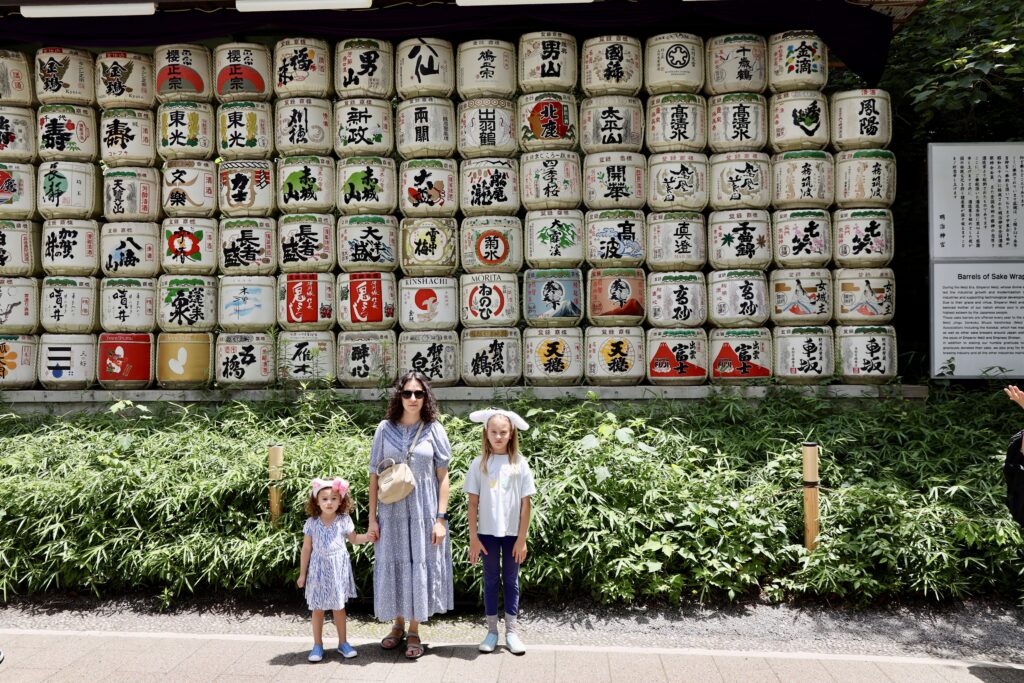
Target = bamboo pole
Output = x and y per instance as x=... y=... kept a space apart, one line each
x=811 y=508
x=275 y=463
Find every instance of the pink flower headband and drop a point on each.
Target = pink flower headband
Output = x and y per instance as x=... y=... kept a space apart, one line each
x=338 y=484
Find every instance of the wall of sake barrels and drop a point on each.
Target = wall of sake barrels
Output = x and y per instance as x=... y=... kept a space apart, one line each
x=550 y=212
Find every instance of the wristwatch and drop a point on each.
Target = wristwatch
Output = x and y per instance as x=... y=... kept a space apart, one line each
x=442 y=515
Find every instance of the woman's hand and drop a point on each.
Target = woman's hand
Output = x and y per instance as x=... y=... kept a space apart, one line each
x=373 y=531
x=440 y=531
x=301 y=581
x=475 y=548
x=1015 y=394
x=519 y=550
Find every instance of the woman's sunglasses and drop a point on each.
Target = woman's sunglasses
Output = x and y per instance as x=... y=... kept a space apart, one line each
x=413 y=394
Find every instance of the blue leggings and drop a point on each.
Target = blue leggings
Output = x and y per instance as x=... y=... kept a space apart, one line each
x=499 y=552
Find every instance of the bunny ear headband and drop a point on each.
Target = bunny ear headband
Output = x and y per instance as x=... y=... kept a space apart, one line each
x=483 y=416
x=339 y=485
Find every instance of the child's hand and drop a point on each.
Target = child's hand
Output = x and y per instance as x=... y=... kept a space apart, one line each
x=301 y=581
x=519 y=550
x=372 y=535
x=475 y=548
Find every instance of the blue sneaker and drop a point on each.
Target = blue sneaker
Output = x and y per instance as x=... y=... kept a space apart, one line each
x=515 y=646
x=316 y=654
x=347 y=651
x=489 y=642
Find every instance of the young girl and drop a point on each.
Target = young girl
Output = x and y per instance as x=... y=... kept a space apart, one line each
x=325 y=569
x=499 y=484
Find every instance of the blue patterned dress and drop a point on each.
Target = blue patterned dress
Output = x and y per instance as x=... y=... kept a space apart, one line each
x=329 y=581
x=412 y=578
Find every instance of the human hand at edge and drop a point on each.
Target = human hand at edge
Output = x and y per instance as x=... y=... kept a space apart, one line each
x=1015 y=394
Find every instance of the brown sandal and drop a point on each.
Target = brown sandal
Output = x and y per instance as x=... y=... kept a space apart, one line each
x=393 y=639
x=413 y=650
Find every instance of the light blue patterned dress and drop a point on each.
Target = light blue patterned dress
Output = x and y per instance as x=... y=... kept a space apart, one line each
x=329 y=581
x=412 y=578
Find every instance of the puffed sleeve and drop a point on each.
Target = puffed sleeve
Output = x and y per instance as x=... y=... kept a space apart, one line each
x=307 y=528
x=442 y=448
x=377 y=447
x=347 y=525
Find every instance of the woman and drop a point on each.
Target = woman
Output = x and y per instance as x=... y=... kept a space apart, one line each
x=412 y=564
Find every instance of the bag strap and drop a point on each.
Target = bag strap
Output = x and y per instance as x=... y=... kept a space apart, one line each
x=408 y=455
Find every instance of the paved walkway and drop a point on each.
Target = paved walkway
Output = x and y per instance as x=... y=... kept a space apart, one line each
x=60 y=655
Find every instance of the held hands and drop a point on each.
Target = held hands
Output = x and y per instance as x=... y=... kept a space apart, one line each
x=475 y=548
x=1015 y=395
x=519 y=550
x=373 y=531
x=439 y=532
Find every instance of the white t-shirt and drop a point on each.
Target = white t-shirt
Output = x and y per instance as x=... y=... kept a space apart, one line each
x=501 y=491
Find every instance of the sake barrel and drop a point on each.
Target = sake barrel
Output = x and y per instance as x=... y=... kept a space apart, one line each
x=433 y=353
x=486 y=68
x=740 y=180
x=128 y=304
x=547 y=120
x=676 y=240
x=801 y=296
x=863 y=238
x=190 y=188
x=307 y=184
x=674 y=63
x=553 y=297
x=799 y=121
x=67 y=189
x=429 y=246
x=245 y=130
x=184 y=360
x=17 y=133
x=71 y=247
x=735 y=63
x=425 y=127
x=303 y=67
x=246 y=188
x=547 y=61
x=803 y=179
x=741 y=355
x=130 y=249
x=18 y=190
x=184 y=73
x=19 y=305
x=187 y=130
x=247 y=303
x=861 y=119
x=364 y=67
x=864 y=296
x=677 y=299
x=739 y=239
x=245 y=360
x=367 y=360
x=429 y=187
x=804 y=355
x=126 y=360
x=798 y=60
x=18 y=355
x=68 y=305
x=65 y=76
x=615 y=180
x=190 y=246
x=67 y=361
x=553 y=356
x=305 y=302
x=677 y=181
x=306 y=243
x=737 y=298
x=615 y=239
x=303 y=125
x=132 y=194
x=615 y=355
x=550 y=180
x=491 y=357
x=127 y=137
x=489 y=186
x=366 y=301
x=306 y=357
x=492 y=244
x=248 y=246
x=677 y=357
x=15 y=79
x=615 y=296
x=611 y=65
x=737 y=122
x=367 y=243
x=188 y=303
x=487 y=128
x=20 y=248
x=125 y=79
x=677 y=122
x=802 y=238
x=428 y=303
x=424 y=67
x=555 y=238
x=612 y=123
x=363 y=126
x=242 y=72
x=367 y=185
x=489 y=300
x=865 y=178
x=866 y=355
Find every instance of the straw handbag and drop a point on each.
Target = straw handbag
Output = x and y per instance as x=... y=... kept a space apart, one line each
x=396 y=481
